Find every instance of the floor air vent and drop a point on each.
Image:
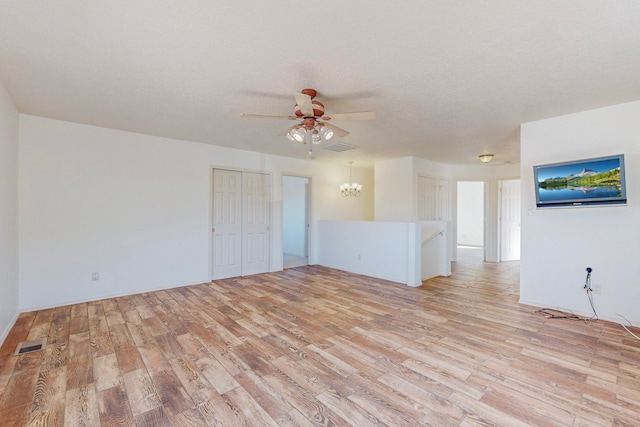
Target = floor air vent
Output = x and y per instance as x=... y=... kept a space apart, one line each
x=340 y=146
x=30 y=346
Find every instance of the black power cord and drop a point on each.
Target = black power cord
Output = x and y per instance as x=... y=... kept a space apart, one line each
x=550 y=313
x=587 y=283
x=589 y=291
x=557 y=314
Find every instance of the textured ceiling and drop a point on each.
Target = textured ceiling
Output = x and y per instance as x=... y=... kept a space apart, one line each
x=448 y=80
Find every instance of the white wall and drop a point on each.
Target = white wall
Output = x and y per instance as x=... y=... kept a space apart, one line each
x=558 y=244
x=424 y=167
x=387 y=250
x=397 y=183
x=294 y=215
x=435 y=249
x=334 y=206
x=394 y=190
x=8 y=213
x=136 y=208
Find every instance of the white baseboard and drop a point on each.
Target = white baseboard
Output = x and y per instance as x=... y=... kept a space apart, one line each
x=108 y=296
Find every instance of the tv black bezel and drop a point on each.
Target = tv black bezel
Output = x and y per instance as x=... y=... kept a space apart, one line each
x=583 y=202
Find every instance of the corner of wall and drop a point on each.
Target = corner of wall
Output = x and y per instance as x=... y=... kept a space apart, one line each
x=9 y=244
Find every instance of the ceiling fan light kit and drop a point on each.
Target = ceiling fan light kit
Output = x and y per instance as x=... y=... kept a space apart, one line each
x=326 y=132
x=318 y=132
x=297 y=134
x=311 y=129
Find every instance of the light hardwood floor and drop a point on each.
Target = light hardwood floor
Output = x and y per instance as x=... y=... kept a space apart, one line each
x=315 y=346
x=291 y=261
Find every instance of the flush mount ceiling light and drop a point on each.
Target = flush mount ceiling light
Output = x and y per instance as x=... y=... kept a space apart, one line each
x=350 y=189
x=485 y=158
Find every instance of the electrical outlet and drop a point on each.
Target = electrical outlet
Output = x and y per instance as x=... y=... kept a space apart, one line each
x=359 y=257
x=95 y=276
x=596 y=288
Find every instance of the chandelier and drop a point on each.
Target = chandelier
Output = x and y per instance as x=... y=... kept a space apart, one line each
x=350 y=189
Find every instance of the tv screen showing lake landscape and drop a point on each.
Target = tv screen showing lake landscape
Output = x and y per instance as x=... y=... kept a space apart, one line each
x=581 y=183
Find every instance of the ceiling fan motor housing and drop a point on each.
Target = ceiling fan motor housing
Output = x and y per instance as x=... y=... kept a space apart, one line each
x=318 y=109
x=310 y=92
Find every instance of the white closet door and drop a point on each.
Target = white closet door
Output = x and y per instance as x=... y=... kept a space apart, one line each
x=443 y=200
x=426 y=198
x=256 y=222
x=227 y=223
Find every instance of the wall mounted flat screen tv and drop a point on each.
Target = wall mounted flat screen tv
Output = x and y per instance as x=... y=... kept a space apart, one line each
x=589 y=182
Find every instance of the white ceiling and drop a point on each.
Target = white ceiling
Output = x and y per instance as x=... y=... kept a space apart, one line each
x=448 y=80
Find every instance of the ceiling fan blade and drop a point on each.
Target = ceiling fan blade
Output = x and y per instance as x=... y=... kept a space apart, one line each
x=304 y=102
x=340 y=133
x=360 y=115
x=263 y=116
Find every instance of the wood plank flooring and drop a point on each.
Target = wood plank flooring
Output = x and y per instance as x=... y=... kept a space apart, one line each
x=314 y=346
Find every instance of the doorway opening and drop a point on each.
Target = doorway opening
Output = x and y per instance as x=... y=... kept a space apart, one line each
x=295 y=221
x=471 y=220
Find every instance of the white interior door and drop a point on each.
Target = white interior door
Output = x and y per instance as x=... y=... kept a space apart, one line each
x=426 y=198
x=443 y=200
x=227 y=224
x=509 y=220
x=256 y=222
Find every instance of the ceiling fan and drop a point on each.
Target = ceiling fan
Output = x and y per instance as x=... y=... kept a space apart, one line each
x=310 y=112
